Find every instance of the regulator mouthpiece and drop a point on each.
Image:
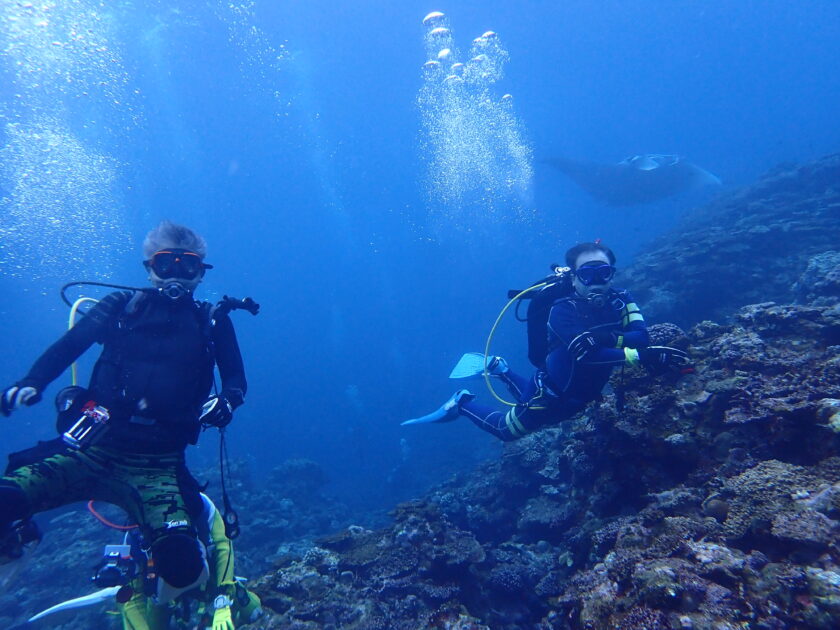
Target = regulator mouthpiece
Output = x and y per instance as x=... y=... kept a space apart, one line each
x=174 y=290
x=597 y=299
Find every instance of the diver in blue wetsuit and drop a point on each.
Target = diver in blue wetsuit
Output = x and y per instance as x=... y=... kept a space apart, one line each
x=591 y=329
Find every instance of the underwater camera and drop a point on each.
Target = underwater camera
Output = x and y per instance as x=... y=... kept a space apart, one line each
x=81 y=421
x=89 y=428
x=117 y=568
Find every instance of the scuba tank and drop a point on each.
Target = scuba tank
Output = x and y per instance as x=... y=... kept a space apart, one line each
x=546 y=292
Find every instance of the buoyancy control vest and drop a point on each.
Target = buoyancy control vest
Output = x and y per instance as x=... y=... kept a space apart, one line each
x=157 y=361
x=558 y=286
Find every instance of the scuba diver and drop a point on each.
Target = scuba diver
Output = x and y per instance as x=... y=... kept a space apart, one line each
x=580 y=329
x=127 y=575
x=148 y=398
x=223 y=602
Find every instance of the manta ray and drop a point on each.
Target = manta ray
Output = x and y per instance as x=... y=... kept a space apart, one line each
x=637 y=179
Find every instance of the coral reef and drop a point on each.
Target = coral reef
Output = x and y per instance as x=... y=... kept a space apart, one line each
x=288 y=505
x=710 y=501
x=750 y=246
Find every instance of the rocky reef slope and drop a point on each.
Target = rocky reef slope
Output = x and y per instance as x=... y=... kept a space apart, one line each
x=749 y=246
x=711 y=501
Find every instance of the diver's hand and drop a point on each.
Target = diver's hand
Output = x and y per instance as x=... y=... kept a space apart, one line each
x=222 y=619
x=16 y=396
x=582 y=345
x=659 y=359
x=217 y=411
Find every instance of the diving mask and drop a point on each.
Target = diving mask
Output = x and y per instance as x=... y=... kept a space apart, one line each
x=177 y=263
x=595 y=273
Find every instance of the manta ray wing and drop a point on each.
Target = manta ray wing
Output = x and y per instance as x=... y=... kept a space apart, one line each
x=635 y=180
x=608 y=183
x=702 y=177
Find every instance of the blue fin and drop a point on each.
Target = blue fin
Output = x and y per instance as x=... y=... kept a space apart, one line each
x=471 y=364
x=447 y=412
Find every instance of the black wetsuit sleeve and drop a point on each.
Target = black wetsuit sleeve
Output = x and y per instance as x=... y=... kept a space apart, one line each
x=90 y=329
x=229 y=360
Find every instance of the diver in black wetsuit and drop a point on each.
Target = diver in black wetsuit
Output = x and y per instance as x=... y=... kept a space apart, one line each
x=153 y=378
x=590 y=331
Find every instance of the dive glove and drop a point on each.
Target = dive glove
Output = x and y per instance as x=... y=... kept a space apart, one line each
x=588 y=340
x=217 y=411
x=582 y=345
x=222 y=619
x=16 y=396
x=659 y=359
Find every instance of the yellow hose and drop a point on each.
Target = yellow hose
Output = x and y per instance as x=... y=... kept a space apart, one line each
x=490 y=339
x=73 y=311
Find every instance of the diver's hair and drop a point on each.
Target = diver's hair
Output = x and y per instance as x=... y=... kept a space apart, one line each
x=585 y=248
x=169 y=234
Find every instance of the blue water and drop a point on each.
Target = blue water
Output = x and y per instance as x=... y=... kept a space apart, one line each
x=290 y=134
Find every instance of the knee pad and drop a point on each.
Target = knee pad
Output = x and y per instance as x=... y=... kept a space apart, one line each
x=14 y=504
x=180 y=560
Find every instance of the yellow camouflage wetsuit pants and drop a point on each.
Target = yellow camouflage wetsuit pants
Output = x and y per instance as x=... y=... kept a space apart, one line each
x=143 y=613
x=157 y=491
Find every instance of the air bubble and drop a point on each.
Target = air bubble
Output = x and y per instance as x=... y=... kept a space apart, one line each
x=58 y=190
x=474 y=145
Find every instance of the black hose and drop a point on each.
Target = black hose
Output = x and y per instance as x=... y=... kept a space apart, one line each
x=230 y=517
x=94 y=284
